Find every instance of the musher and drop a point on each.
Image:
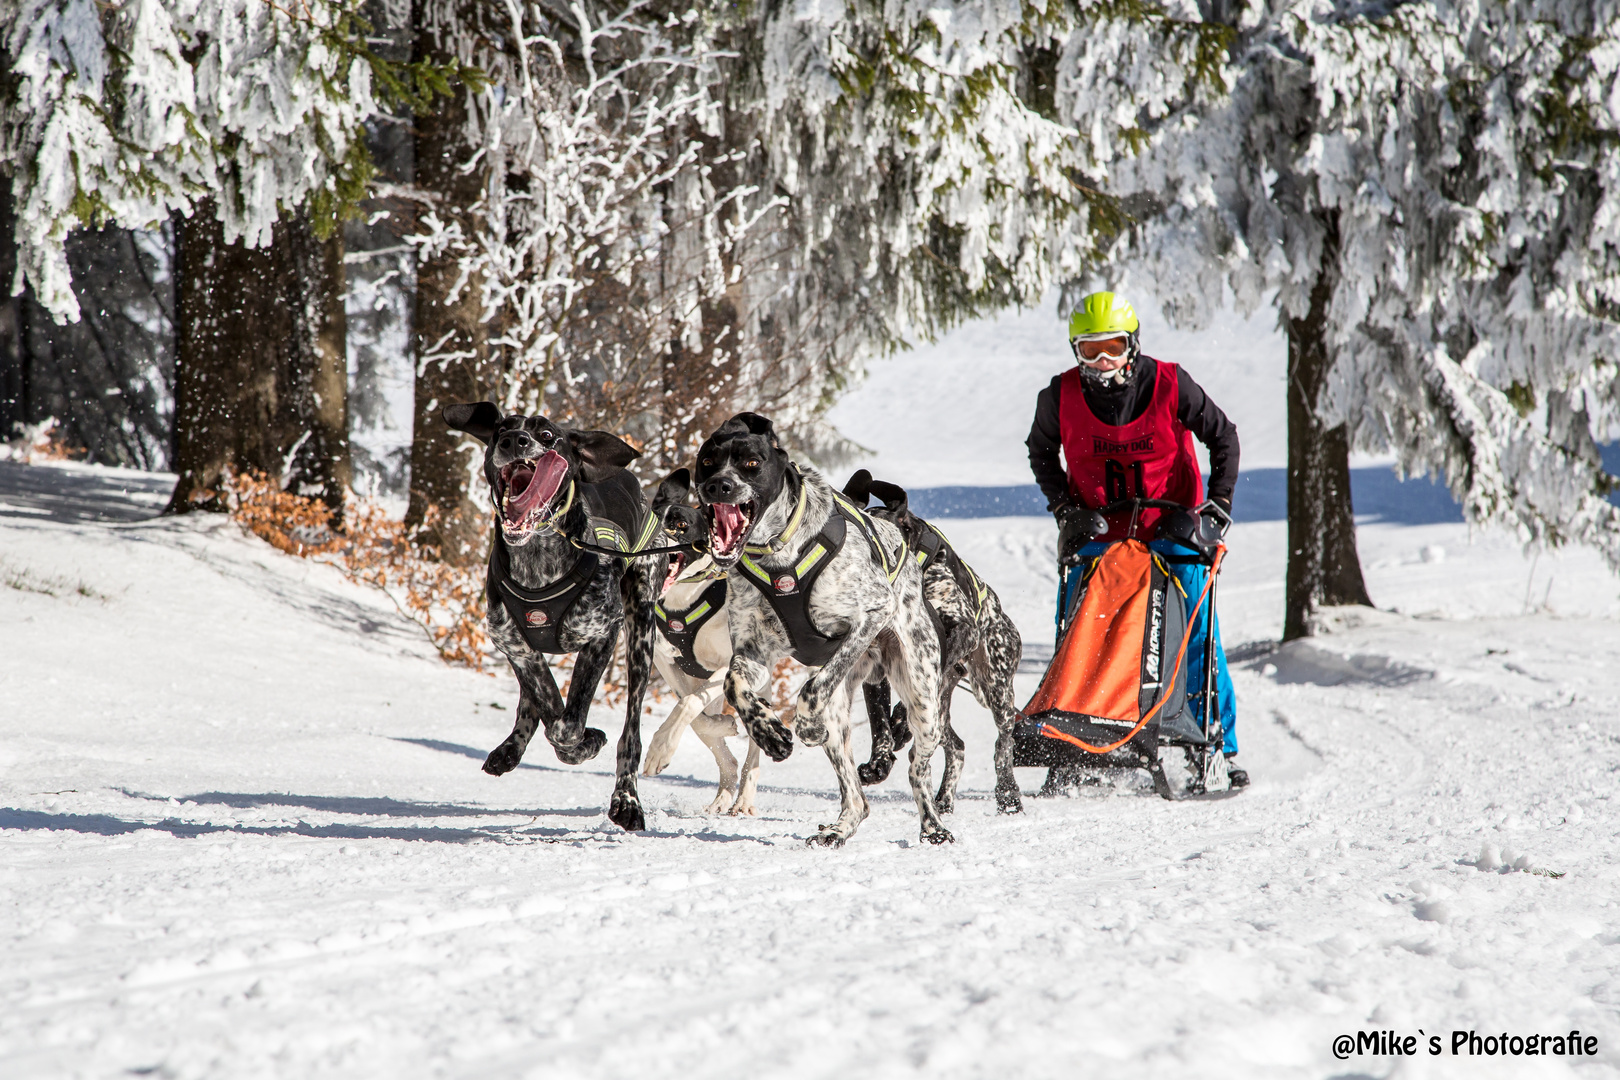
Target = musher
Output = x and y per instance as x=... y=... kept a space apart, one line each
x=1125 y=423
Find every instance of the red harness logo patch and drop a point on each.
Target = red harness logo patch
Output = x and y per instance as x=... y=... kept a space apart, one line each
x=536 y=618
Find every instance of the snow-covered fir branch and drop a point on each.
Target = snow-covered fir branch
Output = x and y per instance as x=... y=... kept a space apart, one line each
x=126 y=112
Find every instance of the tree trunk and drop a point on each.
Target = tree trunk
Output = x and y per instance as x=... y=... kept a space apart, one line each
x=452 y=344
x=1323 y=567
x=261 y=379
x=14 y=373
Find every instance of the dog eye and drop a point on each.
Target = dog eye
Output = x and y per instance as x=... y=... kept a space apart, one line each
x=707 y=462
x=546 y=438
x=751 y=463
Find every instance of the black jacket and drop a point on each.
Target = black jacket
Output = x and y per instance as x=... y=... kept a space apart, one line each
x=1194 y=410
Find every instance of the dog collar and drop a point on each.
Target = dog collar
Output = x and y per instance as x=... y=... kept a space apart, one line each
x=792 y=526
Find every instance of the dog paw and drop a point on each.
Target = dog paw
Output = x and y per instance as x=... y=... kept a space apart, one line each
x=827 y=837
x=742 y=809
x=504 y=758
x=588 y=747
x=939 y=836
x=624 y=810
x=720 y=805
x=774 y=739
x=945 y=804
x=658 y=757
x=876 y=771
x=1009 y=802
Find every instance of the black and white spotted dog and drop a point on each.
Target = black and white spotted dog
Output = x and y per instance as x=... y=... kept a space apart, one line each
x=555 y=488
x=979 y=643
x=693 y=653
x=829 y=585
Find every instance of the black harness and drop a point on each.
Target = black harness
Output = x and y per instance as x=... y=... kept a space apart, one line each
x=788 y=590
x=614 y=517
x=680 y=628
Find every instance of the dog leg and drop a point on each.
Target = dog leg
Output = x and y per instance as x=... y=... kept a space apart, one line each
x=572 y=741
x=714 y=735
x=538 y=700
x=992 y=668
x=661 y=748
x=881 y=760
x=748 y=677
x=827 y=683
x=955 y=754
x=853 y=807
x=915 y=673
x=624 y=808
x=748 y=782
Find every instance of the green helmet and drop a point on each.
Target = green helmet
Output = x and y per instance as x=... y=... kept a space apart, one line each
x=1103 y=314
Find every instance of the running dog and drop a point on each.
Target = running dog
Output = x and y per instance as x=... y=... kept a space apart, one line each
x=978 y=642
x=555 y=490
x=829 y=586
x=693 y=653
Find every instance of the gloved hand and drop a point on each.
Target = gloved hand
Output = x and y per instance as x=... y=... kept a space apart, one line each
x=1077 y=526
x=1217 y=518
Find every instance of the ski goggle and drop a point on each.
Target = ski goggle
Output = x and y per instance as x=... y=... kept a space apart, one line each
x=1091 y=351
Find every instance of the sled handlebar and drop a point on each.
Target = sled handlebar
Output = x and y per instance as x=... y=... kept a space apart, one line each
x=1135 y=506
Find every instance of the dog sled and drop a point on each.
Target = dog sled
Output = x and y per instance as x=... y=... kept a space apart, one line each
x=1115 y=694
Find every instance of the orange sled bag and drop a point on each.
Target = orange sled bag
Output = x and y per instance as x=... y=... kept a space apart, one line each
x=1119 y=679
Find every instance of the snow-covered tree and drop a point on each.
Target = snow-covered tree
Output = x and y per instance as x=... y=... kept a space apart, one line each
x=692 y=210
x=1424 y=189
x=126 y=113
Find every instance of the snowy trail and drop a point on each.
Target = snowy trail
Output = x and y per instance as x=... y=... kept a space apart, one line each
x=243 y=833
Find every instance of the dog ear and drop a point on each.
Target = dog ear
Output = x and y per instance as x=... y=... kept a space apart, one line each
x=477 y=419
x=758 y=425
x=893 y=496
x=600 y=454
x=673 y=489
x=859 y=486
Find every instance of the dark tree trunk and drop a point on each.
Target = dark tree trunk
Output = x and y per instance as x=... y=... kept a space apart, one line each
x=452 y=344
x=261 y=379
x=1323 y=567
x=14 y=404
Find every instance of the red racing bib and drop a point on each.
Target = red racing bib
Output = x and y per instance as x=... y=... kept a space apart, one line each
x=1150 y=458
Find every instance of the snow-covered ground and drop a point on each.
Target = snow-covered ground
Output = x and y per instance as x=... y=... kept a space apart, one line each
x=243 y=833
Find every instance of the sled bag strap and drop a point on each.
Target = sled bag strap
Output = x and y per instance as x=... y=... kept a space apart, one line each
x=538 y=612
x=788 y=592
x=680 y=628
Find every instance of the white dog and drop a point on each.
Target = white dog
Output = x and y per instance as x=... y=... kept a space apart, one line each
x=693 y=653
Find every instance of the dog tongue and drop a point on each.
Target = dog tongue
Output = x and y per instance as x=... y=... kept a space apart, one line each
x=539 y=484
x=729 y=523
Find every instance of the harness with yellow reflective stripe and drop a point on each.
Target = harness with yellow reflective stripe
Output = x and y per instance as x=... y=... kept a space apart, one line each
x=680 y=628
x=616 y=521
x=788 y=590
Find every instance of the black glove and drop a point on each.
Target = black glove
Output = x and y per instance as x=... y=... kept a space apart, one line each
x=1216 y=519
x=1077 y=526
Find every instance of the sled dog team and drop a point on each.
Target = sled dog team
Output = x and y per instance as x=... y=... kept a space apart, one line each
x=772 y=562
x=875 y=602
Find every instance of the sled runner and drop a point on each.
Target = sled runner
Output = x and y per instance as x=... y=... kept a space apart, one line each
x=1116 y=690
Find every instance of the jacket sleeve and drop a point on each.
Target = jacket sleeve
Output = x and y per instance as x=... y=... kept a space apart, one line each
x=1045 y=446
x=1211 y=427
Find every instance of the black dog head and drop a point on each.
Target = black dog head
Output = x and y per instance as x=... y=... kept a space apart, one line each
x=530 y=461
x=683 y=523
x=741 y=470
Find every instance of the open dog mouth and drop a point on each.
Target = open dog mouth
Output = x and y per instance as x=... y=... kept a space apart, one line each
x=676 y=562
x=527 y=489
x=728 y=528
